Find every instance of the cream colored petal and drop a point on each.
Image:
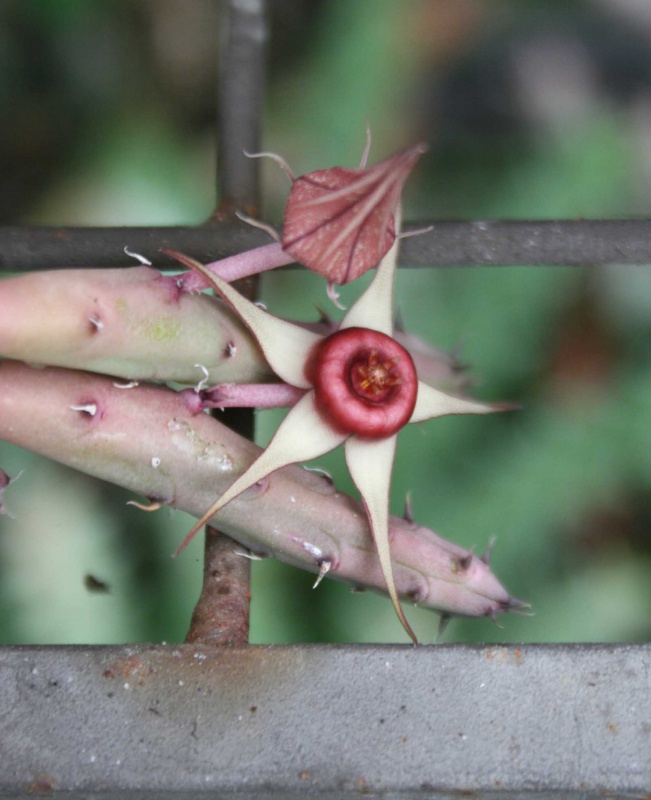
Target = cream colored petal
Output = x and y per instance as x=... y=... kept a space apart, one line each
x=370 y=463
x=374 y=309
x=285 y=345
x=431 y=403
x=301 y=436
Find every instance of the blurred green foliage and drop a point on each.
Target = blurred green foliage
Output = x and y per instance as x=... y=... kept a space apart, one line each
x=109 y=120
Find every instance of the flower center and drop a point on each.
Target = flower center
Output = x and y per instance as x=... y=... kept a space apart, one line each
x=373 y=378
x=365 y=383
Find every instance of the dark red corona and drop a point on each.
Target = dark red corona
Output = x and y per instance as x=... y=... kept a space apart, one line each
x=365 y=383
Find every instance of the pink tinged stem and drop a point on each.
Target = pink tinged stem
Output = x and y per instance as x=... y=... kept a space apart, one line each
x=251 y=395
x=131 y=323
x=122 y=323
x=241 y=265
x=301 y=436
x=286 y=346
x=298 y=517
x=370 y=464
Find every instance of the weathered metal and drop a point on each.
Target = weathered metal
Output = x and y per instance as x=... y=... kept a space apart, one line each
x=494 y=243
x=543 y=721
x=221 y=615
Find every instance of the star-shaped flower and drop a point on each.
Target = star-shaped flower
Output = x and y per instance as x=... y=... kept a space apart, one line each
x=360 y=388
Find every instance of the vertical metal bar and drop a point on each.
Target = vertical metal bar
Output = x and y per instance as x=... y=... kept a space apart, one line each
x=240 y=98
x=221 y=615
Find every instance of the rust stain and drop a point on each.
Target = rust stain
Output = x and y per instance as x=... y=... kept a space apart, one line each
x=236 y=672
x=504 y=655
x=41 y=785
x=132 y=669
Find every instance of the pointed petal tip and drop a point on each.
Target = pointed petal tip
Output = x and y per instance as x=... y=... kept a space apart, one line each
x=506 y=406
x=401 y=165
x=411 y=153
x=191 y=534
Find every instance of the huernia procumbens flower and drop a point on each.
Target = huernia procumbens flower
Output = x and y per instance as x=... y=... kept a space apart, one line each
x=341 y=222
x=357 y=387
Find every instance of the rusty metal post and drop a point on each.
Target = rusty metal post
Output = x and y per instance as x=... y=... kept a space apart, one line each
x=221 y=616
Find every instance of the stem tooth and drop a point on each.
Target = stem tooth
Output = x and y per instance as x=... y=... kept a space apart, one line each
x=486 y=555
x=154 y=505
x=324 y=568
x=466 y=561
x=202 y=383
x=144 y=261
x=96 y=324
x=87 y=408
x=408 y=513
x=250 y=556
x=444 y=621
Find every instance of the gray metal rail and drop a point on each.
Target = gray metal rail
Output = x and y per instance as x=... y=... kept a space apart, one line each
x=491 y=243
x=326 y=721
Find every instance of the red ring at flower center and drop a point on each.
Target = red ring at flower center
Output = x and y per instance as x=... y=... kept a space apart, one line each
x=365 y=383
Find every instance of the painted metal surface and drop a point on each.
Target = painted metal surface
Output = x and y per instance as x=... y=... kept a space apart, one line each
x=343 y=721
x=491 y=243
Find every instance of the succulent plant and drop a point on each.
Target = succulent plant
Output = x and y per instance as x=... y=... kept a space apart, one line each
x=351 y=383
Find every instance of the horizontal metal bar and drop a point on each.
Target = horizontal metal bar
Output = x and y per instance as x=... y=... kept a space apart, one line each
x=487 y=243
x=584 y=242
x=568 y=721
x=32 y=248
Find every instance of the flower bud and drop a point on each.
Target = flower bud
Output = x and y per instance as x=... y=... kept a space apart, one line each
x=340 y=222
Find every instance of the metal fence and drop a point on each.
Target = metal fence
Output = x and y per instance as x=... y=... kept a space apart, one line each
x=209 y=720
